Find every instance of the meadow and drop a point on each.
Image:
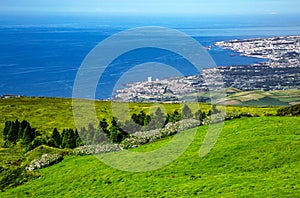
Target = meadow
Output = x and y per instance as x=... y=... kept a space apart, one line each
x=48 y=113
x=253 y=157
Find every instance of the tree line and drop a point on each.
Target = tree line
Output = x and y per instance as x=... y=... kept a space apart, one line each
x=289 y=111
x=21 y=132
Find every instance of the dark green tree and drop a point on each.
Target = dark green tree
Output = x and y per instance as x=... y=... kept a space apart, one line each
x=78 y=141
x=209 y=113
x=83 y=134
x=158 y=120
x=13 y=132
x=186 y=112
x=200 y=115
x=68 y=139
x=56 y=138
x=116 y=133
x=104 y=126
x=174 y=117
x=29 y=134
x=22 y=128
x=6 y=129
x=38 y=141
x=142 y=119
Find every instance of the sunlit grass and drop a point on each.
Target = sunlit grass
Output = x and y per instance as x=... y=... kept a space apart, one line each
x=253 y=157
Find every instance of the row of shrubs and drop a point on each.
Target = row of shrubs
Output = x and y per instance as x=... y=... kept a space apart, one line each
x=21 y=132
x=139 y=138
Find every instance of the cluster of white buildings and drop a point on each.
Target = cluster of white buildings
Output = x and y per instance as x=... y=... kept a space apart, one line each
x=281 y=51
x=280 y=72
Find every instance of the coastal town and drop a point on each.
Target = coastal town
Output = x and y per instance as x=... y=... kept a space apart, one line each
x=280 y=72
x=280 y=51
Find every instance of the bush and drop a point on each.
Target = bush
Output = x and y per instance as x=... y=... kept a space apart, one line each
x=45 y=161
x=97 y=149
x=38 y=141
x=140 y=138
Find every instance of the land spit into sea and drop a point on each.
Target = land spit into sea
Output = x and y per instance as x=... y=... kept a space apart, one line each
x=280 y=72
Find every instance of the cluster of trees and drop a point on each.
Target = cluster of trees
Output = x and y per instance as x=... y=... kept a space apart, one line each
x=289 y=111
x=69 y=138
x=141 y=122
x=21 y=132
x=144 y=122
x=103 y=133
x=15 y=131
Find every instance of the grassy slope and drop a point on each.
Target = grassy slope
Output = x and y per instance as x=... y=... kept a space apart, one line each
x=253 y=157
x=47 y=113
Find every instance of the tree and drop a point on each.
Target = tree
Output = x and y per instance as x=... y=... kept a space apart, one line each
x=215 y=110
x=186 y=112
x=13 y=132
x=174 y=117
x=22 y=128
x=28 y=134
x=6 y=129
x=104 y=125
x=142 y=119
x=200 y=115
x=116 y=133
x=83 y=134
x=130 y=126
x=158 y=120
x=209 y=113
x=38 y=141
x=68 y=139
x=90 y=133
x=56 y=138
x=78 y=141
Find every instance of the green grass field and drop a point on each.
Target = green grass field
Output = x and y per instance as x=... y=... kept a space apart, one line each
x=253 y=157
x=48 y=113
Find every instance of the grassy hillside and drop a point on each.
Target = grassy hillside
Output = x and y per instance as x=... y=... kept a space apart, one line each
x=48 y=113
x=252 y=157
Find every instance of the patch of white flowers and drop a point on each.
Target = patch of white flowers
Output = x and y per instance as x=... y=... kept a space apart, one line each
x=97 y=149
x=44 y=161
x=140 y=138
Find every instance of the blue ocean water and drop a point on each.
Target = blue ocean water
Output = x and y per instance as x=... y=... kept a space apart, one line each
x=40 y=56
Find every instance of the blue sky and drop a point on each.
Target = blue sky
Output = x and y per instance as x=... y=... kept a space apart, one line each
x=151 y=7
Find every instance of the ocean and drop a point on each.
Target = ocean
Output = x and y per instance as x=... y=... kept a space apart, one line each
x=40 y=55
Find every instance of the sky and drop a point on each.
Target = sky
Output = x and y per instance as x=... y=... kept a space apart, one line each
x=151 y=7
